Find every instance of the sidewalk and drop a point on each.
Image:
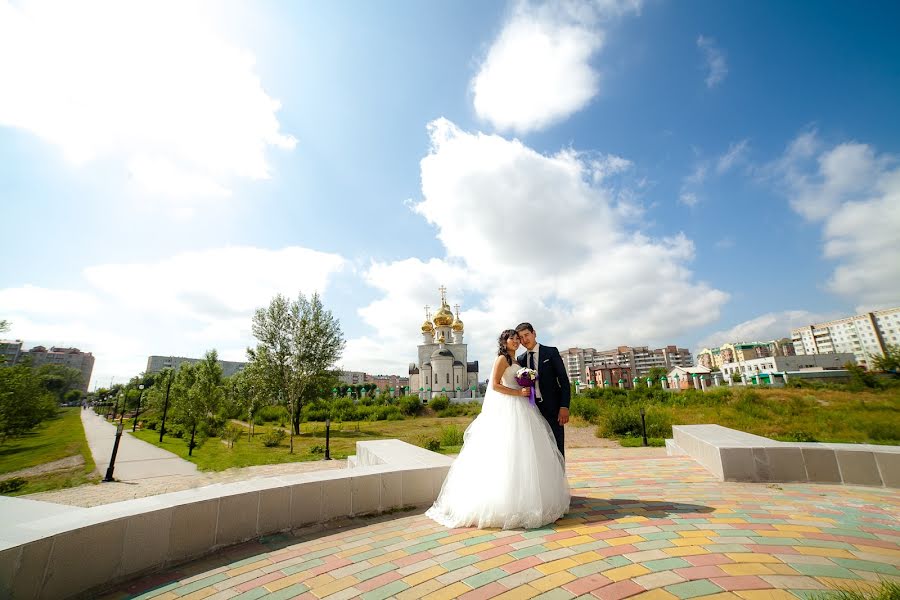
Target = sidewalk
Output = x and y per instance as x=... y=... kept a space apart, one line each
x=136 y=459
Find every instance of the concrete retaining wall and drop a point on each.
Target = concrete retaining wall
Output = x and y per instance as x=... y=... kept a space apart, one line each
x=51 y=552
x=733 y=455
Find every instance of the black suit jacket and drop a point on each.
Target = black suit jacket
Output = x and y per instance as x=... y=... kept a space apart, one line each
x=552 y=379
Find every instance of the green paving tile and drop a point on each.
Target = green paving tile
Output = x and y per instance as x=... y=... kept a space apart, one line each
x=823 y=570
x=538 y=532
x=850 y=533
x=288 y=592
x=304 y=566
x=433 y=536
x=589 y=546
x=392 y=541
x=200 y=584
x=666 y=564
x=375 y=571
x=369 y=554
x=618 y=561
x=660 y=535
x=529 y=551
x=775 y=541
x=458 y=563
x=157 y=591
x=692 y=589
x=867 y=565
x=727 y=547
x=590 y=568
x=556 y=594
x=247 y=561
x=480 y=579
x=257 y=592
x=478 y=539
x=422 y=547
x=827 y=544
x=732 y=532
x=385 y=591
x=654 y=545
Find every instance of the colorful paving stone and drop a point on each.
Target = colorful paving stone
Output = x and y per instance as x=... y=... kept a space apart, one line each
x=659 y=528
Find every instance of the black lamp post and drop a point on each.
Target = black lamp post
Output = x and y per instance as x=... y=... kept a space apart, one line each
x=162 y=427
x=138 y=411
x=327 y=438
x=112 y=459
x=116 y=407
x=643 y=426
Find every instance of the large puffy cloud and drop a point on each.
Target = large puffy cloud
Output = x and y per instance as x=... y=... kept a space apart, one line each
x=181 y=305
x=855 y=194
x=151 y=85
x=770 y=326
x=538 y=70
x=534 y=237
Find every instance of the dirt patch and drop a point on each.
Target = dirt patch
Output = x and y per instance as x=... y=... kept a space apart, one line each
x=63 y=464
x=583 y=436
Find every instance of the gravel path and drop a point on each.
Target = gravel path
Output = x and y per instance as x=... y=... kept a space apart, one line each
x=63 y=464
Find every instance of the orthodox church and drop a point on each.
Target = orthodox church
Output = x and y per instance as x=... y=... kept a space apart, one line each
x=442 y=367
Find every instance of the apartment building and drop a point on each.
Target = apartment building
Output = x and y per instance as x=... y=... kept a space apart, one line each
x=638 y=360
x=755 y=366
x=10 y=351
x=864 y=335
x=155 y=364
x=713 y=358
x=67 y=357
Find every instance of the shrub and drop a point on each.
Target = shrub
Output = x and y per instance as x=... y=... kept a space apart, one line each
x=451 y=435
x=410 y=405
x=440 y=403
x=232 y=434
x=317 y=449
x=8 y=486
x=586 y=408
x=273 y=437
x=625 y=421
x=433 y=445
x=271 y=414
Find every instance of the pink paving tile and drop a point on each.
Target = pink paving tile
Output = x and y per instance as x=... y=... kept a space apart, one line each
x=408 y=560
x=330 y=566
x=821 y=536
x=486 y=591
x=740 y=582
x=754 y=526
x=513 y=539
x=583 y=585
x=254 y=583
x=521 y=564
x=703 y=560
x=605 y=535
x=615 y=550
x=384 y=579
x=704 y=572
x=306 y=596
x=658 y=522
x=619 y=590
x=497 y=551
x=560 y=535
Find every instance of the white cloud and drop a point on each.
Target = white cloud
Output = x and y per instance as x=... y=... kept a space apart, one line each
x=770 y=326
x=151 y=85
x=715 y=61
x=688 y=198
x=735 y=155
x=538 y=70
x=532 y=237
x=855 y=194
x=181 y=305
x=704 y=167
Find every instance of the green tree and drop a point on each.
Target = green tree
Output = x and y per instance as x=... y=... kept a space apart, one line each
x=889 y=361
x=24 y=401
x=59 y=380
x=251 y=392
x=4 y=325
x=655 y=373
x=299 y=344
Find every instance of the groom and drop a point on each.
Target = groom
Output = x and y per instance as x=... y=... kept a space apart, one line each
x=551 y=391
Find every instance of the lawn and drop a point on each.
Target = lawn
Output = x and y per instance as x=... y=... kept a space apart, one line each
x=57 y=438
x=215 y=455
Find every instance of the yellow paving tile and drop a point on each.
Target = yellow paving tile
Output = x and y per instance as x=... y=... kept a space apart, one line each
x=523 y=592
x=657 y=594
x=490 y=563
x=459 y=537
x=747 y=569
x=454 y=590
x=423 y=589
x=247 y=568
x=852 y=584
x=698 y=533
x=274 y=586
x=167 y=596
x=377 y=560
x=877 y=550
x=691 y=541
x=637 y=519
x=751 y=557
x=806 y=528
x=719 y=596
x=475 y=549
x=685 y=551
x=727 y=520
x=591 y=529
x=424 y=575
x=552 y=581
x=200 y=594
x=765 y=595
x=621 y=541
x=586 y=557
x=322 y=579
x=554 y=545
x=824 y=551
x=354 y=551
x=556 y=565
x=769 y=533
x=626 y=572
x=782 y=569
x=574 y=541
x=335 y=586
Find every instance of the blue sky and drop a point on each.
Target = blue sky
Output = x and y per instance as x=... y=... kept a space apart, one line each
x=616 y=172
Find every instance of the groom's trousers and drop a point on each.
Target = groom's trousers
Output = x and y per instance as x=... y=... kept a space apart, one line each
x=559 y=432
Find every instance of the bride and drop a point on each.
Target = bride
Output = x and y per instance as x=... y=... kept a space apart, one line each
x=509 y=473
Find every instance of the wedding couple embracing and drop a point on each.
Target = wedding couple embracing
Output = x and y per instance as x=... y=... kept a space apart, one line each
x=511 y=471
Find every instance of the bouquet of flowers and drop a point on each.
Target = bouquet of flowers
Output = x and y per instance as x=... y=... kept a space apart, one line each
x=526 y=378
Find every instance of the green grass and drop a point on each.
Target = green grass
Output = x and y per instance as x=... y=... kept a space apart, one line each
x=886 y=590
x=54 y=439
x=214 y=455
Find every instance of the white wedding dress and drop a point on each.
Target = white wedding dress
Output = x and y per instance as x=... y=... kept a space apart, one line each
x=509 y=473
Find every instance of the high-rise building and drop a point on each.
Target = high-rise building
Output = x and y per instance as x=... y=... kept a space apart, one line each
x=155 y=364
x=864 y=335
x=67 y=357
x=713 y=358
x=638 y=360
x=10 y=351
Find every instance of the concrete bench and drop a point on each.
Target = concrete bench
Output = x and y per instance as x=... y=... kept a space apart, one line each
x=733 y=455
x=43 y=545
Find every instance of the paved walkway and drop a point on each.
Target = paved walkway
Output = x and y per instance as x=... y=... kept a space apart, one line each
x=135 y=459
x=651 y=528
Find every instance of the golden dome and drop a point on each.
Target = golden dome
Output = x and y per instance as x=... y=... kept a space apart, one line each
x=444 y=317
x=457 y=324
x=427 y=326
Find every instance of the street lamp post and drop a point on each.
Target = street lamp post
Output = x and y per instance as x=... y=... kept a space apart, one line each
x=162 y=427
x=643 y=426
x=112 y=459
x=124 y=400
x=138 y=411
x=116 y=406
x=327 y=438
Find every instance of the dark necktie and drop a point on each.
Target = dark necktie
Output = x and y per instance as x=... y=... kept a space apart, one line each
x=531 y=360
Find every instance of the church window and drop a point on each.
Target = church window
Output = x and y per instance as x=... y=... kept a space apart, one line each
x=457 y=379
x=448 y=377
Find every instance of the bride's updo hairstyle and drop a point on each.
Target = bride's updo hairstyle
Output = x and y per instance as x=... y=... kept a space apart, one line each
x=503 y=351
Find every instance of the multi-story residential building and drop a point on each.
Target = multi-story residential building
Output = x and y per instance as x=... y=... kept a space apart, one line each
x=864 y=335
x=609 y=375
x=380 y=381
x=67 y=357
x=352 y=377
x=713 y=358
x=155 y=364
x=637 y=359
x=10 y=351
x=780 y=364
